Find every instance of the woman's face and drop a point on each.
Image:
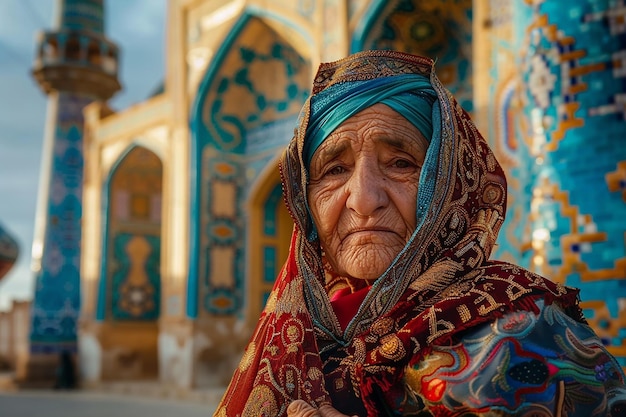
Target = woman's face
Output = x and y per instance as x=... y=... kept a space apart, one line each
x=363 y=190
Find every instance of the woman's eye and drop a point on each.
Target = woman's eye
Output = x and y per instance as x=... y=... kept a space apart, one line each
x=402 y=163
x=336 y=170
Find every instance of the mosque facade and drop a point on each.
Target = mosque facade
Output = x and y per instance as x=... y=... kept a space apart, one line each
x=182 y=227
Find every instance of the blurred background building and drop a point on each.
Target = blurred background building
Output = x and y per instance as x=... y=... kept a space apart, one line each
x=13 y=338
x=160 y=228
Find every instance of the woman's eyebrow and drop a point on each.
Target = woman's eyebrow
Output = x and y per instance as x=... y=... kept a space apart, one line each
x=395 y=142
x=403 y=143
x=406 y=145
x=331 y=150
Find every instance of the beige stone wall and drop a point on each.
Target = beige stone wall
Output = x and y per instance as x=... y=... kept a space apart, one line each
x=20 y=319
x=106 y=140
x=6 y=340
x=14 y=331
x=204 y=352
x=179 y=350
x=128 y=350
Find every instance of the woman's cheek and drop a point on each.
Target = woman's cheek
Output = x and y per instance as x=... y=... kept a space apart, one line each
x=324 y=207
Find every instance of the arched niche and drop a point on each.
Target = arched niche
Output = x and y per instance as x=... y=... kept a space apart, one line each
x=244 y=115
x=129 y=294
x=269 y=237
x=440 y=30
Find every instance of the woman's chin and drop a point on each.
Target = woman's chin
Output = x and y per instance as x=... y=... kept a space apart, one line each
x=367 y=271
x=363 y=277
x=365 y=261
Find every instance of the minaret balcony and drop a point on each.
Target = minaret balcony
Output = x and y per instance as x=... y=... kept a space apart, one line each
x=77 y=61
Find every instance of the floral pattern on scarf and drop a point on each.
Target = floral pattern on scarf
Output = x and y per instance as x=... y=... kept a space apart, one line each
x=441 y=285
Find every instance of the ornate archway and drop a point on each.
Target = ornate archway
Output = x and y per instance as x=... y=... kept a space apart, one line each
x=129 y=296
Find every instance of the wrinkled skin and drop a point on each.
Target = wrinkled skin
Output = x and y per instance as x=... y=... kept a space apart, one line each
x=363 y=198
x=300 y=408
x=363 y=190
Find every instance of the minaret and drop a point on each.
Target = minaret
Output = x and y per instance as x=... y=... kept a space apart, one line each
x=75 y=65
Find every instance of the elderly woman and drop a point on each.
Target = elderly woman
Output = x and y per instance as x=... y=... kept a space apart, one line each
x=388 y=304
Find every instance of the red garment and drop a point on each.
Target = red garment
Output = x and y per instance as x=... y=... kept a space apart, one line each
x=440 y=285
x=346 y=303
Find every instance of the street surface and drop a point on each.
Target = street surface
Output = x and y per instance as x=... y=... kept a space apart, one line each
x=78 y=403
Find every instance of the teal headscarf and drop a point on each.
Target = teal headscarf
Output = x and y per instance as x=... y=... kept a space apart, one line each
x=411 y=95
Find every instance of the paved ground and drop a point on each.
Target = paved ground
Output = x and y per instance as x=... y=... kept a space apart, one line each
x=93 y=404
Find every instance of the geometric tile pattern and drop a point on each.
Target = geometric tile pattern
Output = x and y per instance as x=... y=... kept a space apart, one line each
x=83 y=15
x=75 y=48
x=257 y=80
x=131 y=279
x=441 y=30
x=136 y=285
x=272 y=259
x=56 y=303
x=576 y=151
x=616 y=180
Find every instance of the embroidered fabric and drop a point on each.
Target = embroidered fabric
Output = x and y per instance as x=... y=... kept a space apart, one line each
x=440 y=287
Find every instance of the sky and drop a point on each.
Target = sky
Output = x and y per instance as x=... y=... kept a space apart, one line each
x=137 y=27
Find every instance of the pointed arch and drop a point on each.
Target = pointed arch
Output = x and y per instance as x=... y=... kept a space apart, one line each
x=439 y=30
x=269 y=237
x=129 y=291
x=131 y=205
x=256 y=81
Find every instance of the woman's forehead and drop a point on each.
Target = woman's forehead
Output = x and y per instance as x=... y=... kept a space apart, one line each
x=378 y=139
x=376 y=125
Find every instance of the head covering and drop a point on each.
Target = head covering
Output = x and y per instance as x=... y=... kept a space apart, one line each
x=440 y=284
x=411 y=95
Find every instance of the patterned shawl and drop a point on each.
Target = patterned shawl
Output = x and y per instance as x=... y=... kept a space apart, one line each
x=440 y=284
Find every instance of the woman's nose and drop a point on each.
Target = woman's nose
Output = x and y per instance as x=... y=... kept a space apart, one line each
x=366 y=190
